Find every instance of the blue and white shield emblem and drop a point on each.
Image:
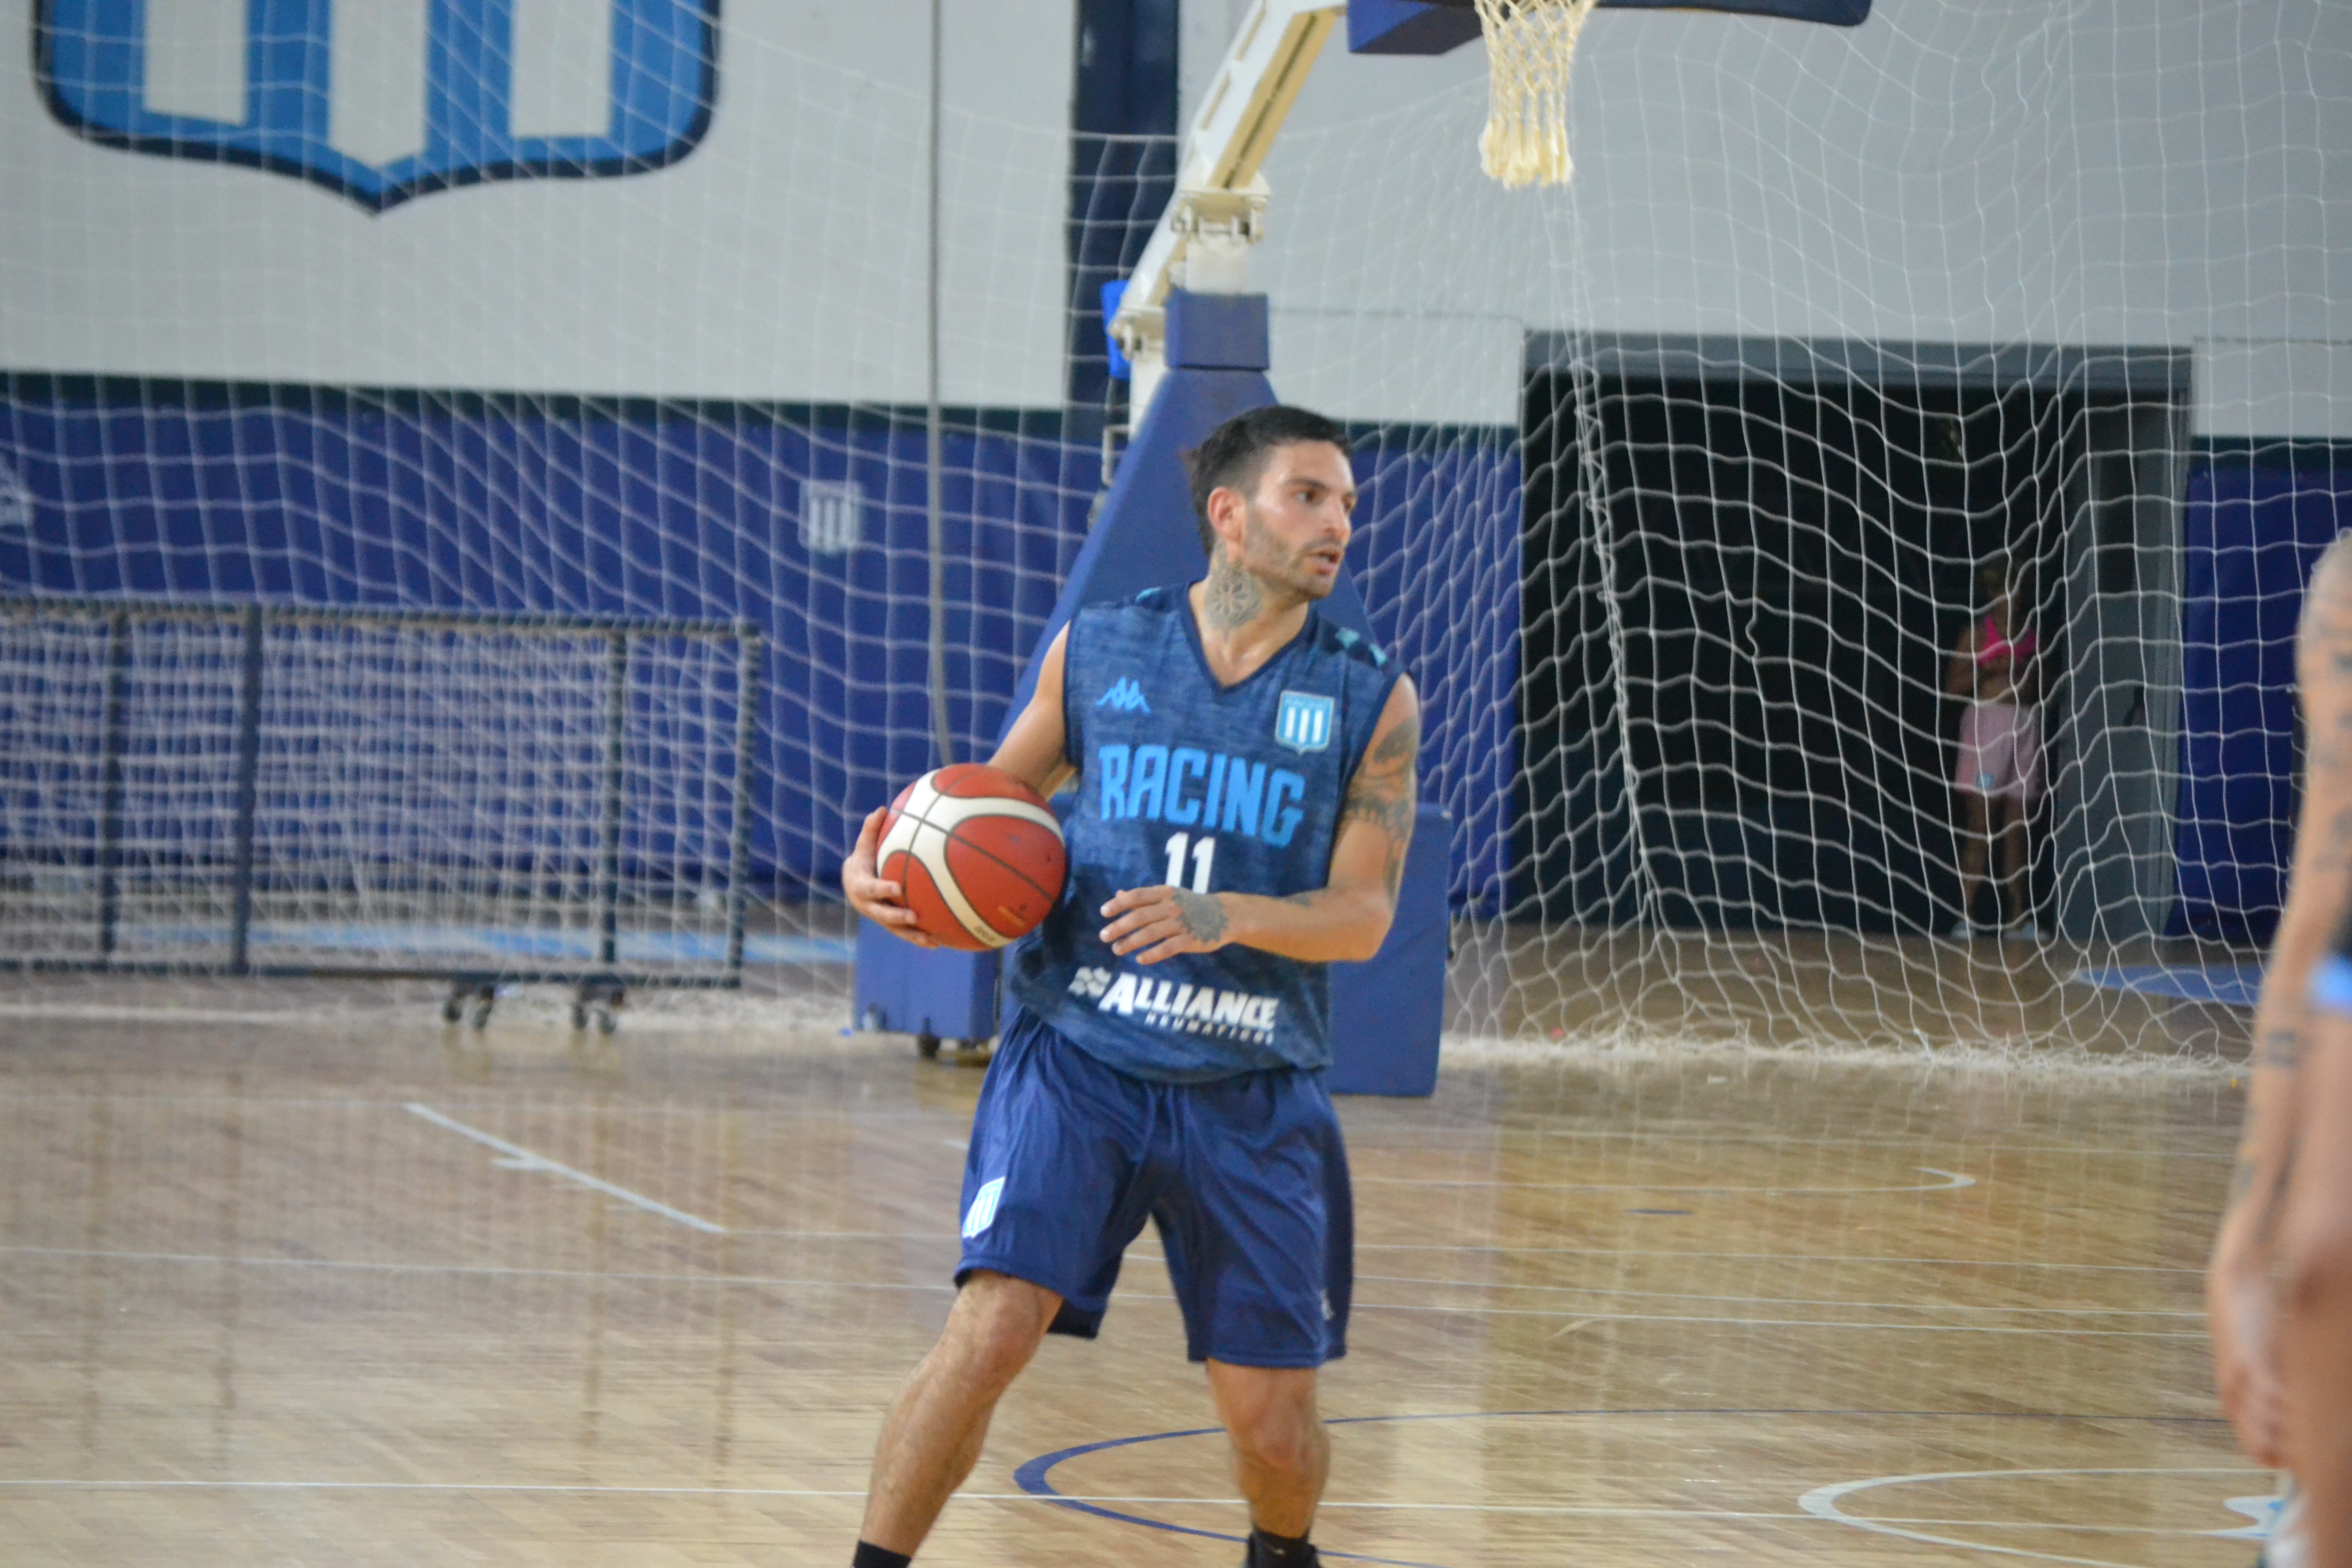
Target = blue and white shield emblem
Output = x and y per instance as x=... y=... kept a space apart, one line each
x=386 y=100
x=1303 y=721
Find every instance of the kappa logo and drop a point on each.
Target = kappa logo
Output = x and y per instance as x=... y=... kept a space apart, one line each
x=1124 y=697
x=380 y=100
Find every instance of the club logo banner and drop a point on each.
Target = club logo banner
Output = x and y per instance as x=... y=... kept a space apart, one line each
x=381 y=101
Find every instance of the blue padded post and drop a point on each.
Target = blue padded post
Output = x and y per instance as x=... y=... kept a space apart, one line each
x=1386 y=1013
x=1145 y=537
x=1406 y=27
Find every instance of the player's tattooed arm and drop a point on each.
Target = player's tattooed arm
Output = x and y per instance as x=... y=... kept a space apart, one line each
x=1385 y=792
x=1152 y=924
x=2240 y=1305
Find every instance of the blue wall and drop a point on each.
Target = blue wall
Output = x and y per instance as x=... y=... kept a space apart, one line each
x=691 y=509
x=2259 y=516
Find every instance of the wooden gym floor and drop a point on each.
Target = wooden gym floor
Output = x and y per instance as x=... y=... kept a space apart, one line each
x=304 y=1281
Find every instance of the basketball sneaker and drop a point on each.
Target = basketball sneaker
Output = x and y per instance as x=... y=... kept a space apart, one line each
x=1261 y=1554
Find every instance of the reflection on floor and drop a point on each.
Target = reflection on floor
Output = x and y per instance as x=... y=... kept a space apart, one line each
x=338 y=1286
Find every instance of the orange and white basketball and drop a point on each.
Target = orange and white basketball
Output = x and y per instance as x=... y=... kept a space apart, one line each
x=979 y=853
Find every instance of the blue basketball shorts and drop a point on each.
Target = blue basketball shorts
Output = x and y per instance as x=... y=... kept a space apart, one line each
x=2331 y=984
x=1245 y=1178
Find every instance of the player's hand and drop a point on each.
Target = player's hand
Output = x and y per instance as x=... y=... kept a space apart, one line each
x=1161 y=922
x=884 y=903
x=2240 y=1312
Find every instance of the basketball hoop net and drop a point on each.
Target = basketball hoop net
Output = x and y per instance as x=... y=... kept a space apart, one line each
x=1530 y=45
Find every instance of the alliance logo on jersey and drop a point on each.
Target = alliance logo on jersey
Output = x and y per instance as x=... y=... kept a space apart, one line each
x=1124 y=697
x=1303 y=722
x=1188 y=1009
x=380 y=100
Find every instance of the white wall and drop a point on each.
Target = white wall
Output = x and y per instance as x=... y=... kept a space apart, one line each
x=784 y=259
x=2140 y=171
x=2119 y=172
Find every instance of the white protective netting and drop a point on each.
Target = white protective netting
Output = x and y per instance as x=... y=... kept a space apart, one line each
x=1678 y=477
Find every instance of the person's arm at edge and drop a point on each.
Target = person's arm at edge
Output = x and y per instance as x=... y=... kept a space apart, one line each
x=1345 y=919
x=1036 y=749
x=2237 y=1290
x=1032 y=753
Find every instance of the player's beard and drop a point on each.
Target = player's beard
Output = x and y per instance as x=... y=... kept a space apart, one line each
x=1266 y=557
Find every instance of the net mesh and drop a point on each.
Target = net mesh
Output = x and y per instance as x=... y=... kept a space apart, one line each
x=1530 y=51
x=1679 y=482
x=231 y=792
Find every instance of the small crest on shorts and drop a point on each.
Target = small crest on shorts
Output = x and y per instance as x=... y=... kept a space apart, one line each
x=982 y=1212
x=1303 y=722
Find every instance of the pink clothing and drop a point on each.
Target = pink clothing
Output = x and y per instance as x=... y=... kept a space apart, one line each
x=1997 y=647
x=2001 y=753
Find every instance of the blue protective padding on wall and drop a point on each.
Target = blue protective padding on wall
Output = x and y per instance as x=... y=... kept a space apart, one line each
x=449 y=501
x=2252 y=536
x=644 y=511
x=907 y=990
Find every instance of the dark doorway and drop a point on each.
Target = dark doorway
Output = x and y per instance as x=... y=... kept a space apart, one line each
x=1786 y=568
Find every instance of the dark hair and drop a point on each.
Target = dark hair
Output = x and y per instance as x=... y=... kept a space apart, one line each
x=1233 y=454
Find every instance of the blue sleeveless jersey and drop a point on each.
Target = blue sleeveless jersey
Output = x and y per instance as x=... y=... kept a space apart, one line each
x=1220 y=789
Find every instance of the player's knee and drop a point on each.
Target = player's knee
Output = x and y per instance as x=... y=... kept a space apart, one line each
x=1287 y=1446
x=997 y=1325
x=1278 y=1435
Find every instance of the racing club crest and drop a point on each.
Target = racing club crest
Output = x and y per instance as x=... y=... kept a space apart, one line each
x=384 y=99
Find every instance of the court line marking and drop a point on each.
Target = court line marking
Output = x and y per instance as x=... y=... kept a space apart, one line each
x=1363 y=1140
x=521 y=1159
x=366 y=1266
x=1774 y=1301
x=1362 y=1246
x=1821 y=1502
x=789 y=1282
x=1952 y=1181
x=1035 y=1476
x=1593 y=1317
x=1326 y=1505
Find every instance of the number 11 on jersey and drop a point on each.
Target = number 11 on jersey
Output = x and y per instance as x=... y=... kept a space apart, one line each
x=1205 y=855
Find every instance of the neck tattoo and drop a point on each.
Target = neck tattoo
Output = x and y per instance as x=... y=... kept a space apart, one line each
x=1233 y=598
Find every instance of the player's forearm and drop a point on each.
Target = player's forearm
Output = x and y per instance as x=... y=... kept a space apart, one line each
x=2242 y=1242
x=1330 y=925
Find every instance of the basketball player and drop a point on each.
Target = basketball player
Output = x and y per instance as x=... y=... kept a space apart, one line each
x=1245 y=794
x=2283 y=1358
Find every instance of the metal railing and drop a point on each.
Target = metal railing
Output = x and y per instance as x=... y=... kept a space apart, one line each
x=440 y=707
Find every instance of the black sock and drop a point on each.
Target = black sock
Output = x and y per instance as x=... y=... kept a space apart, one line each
x=1268 y=1550
x=872 y=1556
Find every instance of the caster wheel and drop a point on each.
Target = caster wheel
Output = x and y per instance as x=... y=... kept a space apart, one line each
x=452 y=1010
x=606 y=1020
x=927 y=1047
x=481 y=1014
x=579 y=1017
